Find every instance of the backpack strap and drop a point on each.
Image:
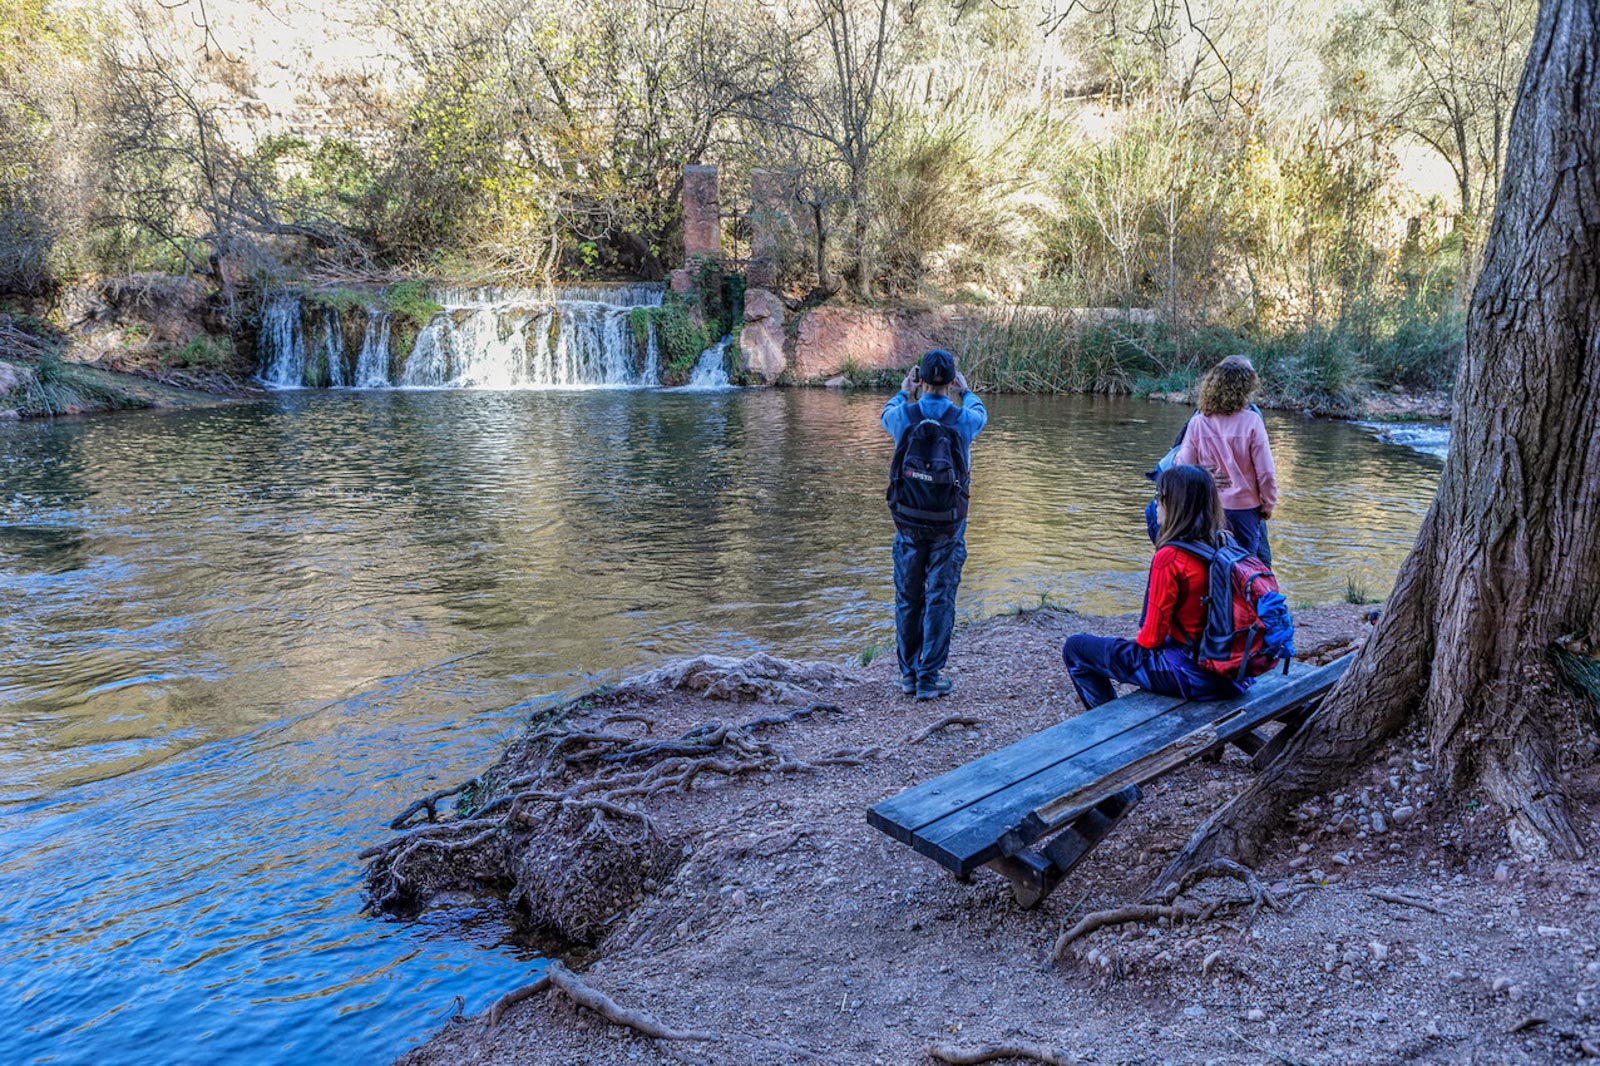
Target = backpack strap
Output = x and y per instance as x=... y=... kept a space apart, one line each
x=914 y=411
x=951 y=416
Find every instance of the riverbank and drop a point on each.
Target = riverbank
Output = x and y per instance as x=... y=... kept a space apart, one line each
x=758 y=907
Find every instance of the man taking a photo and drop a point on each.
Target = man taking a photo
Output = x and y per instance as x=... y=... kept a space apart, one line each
x=928 y=484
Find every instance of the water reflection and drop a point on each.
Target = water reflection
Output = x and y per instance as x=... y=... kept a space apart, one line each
x=237 y=640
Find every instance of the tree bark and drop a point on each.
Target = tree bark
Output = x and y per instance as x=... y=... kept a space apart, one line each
x=1508 y=558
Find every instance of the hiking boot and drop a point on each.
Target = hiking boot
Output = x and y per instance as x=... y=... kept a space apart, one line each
x=932 y=690
x=908 y=685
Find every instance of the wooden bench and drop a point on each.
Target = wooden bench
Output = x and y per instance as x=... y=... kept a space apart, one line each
x=1075 y=781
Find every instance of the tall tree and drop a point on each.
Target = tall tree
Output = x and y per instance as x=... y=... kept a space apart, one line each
x=1508 y=558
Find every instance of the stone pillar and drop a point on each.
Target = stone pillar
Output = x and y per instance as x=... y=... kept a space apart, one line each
x=702 y=225
x=769 y=218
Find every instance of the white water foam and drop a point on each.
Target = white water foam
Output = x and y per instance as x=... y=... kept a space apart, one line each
x=482 y=338
x=711 y=369
x=1431 y=440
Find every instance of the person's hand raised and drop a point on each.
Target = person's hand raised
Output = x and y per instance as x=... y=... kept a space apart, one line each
x=960 y=382
x=909 y=385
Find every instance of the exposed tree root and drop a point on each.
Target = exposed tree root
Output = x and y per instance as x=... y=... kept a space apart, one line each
x=1389 y=895
x=958 y=1056
x=429 y=803
x=569 y=984
x=943 y=723
x=566 y=833
x=1170 y=909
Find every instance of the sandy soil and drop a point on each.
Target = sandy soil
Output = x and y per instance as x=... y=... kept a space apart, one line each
x=798 y=933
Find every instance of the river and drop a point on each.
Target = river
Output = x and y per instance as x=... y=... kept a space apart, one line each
x=238 y=640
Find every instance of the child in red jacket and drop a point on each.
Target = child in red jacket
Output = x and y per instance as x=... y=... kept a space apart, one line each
x=1159 y=658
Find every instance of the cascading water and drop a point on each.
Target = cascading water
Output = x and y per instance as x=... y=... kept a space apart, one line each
x=711 y=369
x=283 y=343
x=485 y=338
x=372 y=364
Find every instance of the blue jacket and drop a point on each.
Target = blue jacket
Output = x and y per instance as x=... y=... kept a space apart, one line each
x=973 y=417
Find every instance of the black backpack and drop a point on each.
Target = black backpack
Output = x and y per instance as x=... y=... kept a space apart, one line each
x=928 y=478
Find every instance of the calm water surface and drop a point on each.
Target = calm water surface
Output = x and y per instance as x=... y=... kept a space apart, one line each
x=237 y=641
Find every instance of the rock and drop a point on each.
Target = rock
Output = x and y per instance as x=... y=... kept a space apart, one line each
x=1341 y=859
x=1502 y=872
x=1194 y=1011
x=1378 y=824
x=1255 y=1014
x=1554 y=930
x=831 y=338
x=9 y=415
x=1501 y=984
x=1380 y=951
x=761 y=340
x=10 y=377
x=1402 y=815
x=840 y=382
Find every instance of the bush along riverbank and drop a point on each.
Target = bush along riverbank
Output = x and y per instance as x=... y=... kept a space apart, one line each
x=693 y=843
x=1400 y=366
x=119 y=343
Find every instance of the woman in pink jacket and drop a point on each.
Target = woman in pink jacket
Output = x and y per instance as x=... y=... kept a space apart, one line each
x=1229 y=439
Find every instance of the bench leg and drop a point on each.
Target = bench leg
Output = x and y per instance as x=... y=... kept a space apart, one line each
x=1035 y=872
x=1269 y=751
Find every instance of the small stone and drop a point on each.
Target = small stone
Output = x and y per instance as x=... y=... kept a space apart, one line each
x=1402 y=815
x=1502 y=872
x=1318 y=875
x=1341 y=859
x=1255 y=1014
x=1380 y=951
x=1195 y=1011
x=1455 y=975
x=1378 y=824
x=1501 y=984
x=1554 y=930
x=1304 y=848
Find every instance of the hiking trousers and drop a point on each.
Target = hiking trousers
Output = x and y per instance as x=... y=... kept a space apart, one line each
x=927 y=570
x=1094 y=663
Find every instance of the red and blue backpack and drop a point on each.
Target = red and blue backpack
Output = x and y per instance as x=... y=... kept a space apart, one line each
x=1247 y=628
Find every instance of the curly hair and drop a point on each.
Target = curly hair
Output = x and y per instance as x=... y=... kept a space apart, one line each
x=1227 y=387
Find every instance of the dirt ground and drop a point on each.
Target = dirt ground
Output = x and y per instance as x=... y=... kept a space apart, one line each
x=797 y=933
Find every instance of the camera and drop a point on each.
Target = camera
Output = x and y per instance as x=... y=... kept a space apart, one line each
x=916 y=374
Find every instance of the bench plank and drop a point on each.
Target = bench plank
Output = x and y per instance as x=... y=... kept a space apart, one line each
x=1265 y=702
x=901 y=816
x=997 y=805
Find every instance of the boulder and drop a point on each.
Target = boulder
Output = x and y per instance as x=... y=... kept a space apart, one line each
x=761 y=340
x=10 y=378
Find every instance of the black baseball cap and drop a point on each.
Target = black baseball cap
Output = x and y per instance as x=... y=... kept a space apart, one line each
x=938 y=367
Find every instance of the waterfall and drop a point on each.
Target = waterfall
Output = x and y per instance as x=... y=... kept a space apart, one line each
x=333 y=348
x=481 y=338
x=372 y=364
x=282 y=343
x=711 y=370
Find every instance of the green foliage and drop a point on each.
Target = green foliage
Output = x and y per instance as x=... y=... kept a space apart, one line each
x=205 y=352
x=872 y=652
x=1357 y=592
x=410 y=300
x=682 y=339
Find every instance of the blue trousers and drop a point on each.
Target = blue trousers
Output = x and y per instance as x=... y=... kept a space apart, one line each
x=927 y=571
x=1094 y=663
x=1248 y=527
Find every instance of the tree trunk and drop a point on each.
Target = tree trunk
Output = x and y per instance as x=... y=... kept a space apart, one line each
x=1508 y=557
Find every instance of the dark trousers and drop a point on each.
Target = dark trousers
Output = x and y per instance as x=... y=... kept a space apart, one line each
x=1248 y=527
x=1094 y=663
x=927 y=571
